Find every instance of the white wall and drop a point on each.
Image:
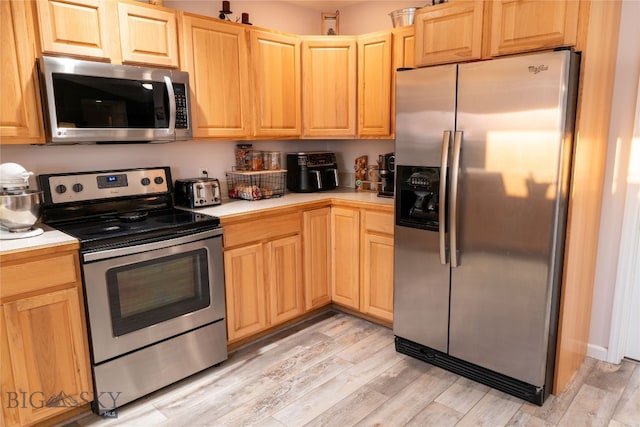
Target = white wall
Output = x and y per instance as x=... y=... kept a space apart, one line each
x=615 y=186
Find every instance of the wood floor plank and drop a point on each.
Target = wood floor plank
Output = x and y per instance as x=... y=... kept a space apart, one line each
x=493 y=410
x=399 y=376
x=524 y=419
x=350 y=410
x=402 y=407
x=463 y=395
x=628 y=409
x=610 y=377
x=591 y=407
x=364 y=347
x=435 y=414
x=333 y=391
x=288 y=390
x=556 y=405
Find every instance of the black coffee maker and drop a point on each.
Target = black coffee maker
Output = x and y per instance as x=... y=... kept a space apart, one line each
x=387 y=174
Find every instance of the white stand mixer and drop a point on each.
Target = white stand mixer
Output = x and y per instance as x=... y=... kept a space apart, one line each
x=20 y=208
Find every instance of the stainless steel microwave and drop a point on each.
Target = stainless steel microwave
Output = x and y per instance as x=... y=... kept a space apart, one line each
x=94 y=102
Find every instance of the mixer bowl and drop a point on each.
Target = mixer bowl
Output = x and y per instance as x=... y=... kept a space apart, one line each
x=20 y=210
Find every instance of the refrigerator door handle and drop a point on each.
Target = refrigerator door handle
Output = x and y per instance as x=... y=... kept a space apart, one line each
x=453 y=199
x=446 y=138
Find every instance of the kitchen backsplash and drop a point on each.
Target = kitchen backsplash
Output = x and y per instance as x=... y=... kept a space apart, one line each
x=185 y=158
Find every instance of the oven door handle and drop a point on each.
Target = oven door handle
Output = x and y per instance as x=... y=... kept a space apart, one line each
x=145 y=247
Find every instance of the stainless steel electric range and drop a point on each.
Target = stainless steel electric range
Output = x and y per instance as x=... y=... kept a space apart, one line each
x=152 y=275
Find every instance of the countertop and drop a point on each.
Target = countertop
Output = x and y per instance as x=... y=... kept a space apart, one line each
x=236 y=206
x=52 y=237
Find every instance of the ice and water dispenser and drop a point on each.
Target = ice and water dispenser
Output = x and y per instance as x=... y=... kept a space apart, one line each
x=418 y=197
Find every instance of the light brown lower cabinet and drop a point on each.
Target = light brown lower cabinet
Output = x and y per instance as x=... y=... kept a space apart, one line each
x=317 y=257
x=263 y=273
x=377 y=264
x=345 y=256
x=362 y=260
x=43 y=346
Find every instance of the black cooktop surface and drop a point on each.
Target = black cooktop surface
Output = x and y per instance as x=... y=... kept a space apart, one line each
x=131 y=227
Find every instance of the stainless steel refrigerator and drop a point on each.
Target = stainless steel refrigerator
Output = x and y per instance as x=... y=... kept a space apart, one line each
x=483 y=155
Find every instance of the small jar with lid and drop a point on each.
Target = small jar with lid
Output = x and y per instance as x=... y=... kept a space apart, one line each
x=272 y=161
x=256 y=162
x=243 y=154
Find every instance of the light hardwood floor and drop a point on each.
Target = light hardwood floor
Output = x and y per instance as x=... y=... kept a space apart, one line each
x=339 y=370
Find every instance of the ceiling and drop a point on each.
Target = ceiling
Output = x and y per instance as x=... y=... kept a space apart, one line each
x=324 y=6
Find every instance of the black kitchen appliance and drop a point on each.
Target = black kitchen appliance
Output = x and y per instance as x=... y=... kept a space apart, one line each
x=312 y=171
x=387 y=174
x=152 y=277
x=197 y=192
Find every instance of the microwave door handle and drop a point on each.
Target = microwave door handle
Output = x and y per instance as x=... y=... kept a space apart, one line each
x=442 y=231
x=453 y=199
x=172 y=105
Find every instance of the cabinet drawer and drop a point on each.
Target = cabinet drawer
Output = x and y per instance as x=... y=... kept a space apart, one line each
x=379 y=222
x=23 y=277
x=265 y=228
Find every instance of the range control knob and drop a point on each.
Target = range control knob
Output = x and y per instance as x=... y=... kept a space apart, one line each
x=61 y=189
x=145 y=181
x=77 y=187
x=158 y=180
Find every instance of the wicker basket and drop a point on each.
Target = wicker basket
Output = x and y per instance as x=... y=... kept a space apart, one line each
x=256 y=185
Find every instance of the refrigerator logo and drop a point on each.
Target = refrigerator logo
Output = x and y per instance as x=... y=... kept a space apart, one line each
x=535 y=70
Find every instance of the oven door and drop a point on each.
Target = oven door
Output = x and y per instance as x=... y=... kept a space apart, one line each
x=142 y=294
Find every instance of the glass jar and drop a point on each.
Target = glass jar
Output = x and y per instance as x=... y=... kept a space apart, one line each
x=256 y=162
x=243 y=154
x=272 y=161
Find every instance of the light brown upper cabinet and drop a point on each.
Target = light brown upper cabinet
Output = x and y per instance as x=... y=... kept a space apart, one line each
x=374 y=85
x=215 y=54
x=449 y=32
x=329 y=87
x=276 y=76
x=83 y=29
x=148 y=34
x=115 y=31
x=465 y=30
x=20 y=116
x=528 y=25
x=404 y=47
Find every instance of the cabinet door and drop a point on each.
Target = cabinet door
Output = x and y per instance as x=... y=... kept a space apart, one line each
x=345 y=257
x=449 y=32
x=329 y=87
x=317 y=257
x=378 y=276
x=245 y=291
x=48 y=353
x=20 y=112
x=215 y=55
x=76 y=28
x=276 y=84
x=404 y=49
x=374 y=85
x=527 y=25
x=148 y=35
x=285 y=278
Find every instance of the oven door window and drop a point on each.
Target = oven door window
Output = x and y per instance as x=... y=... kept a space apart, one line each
x=150 y=292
